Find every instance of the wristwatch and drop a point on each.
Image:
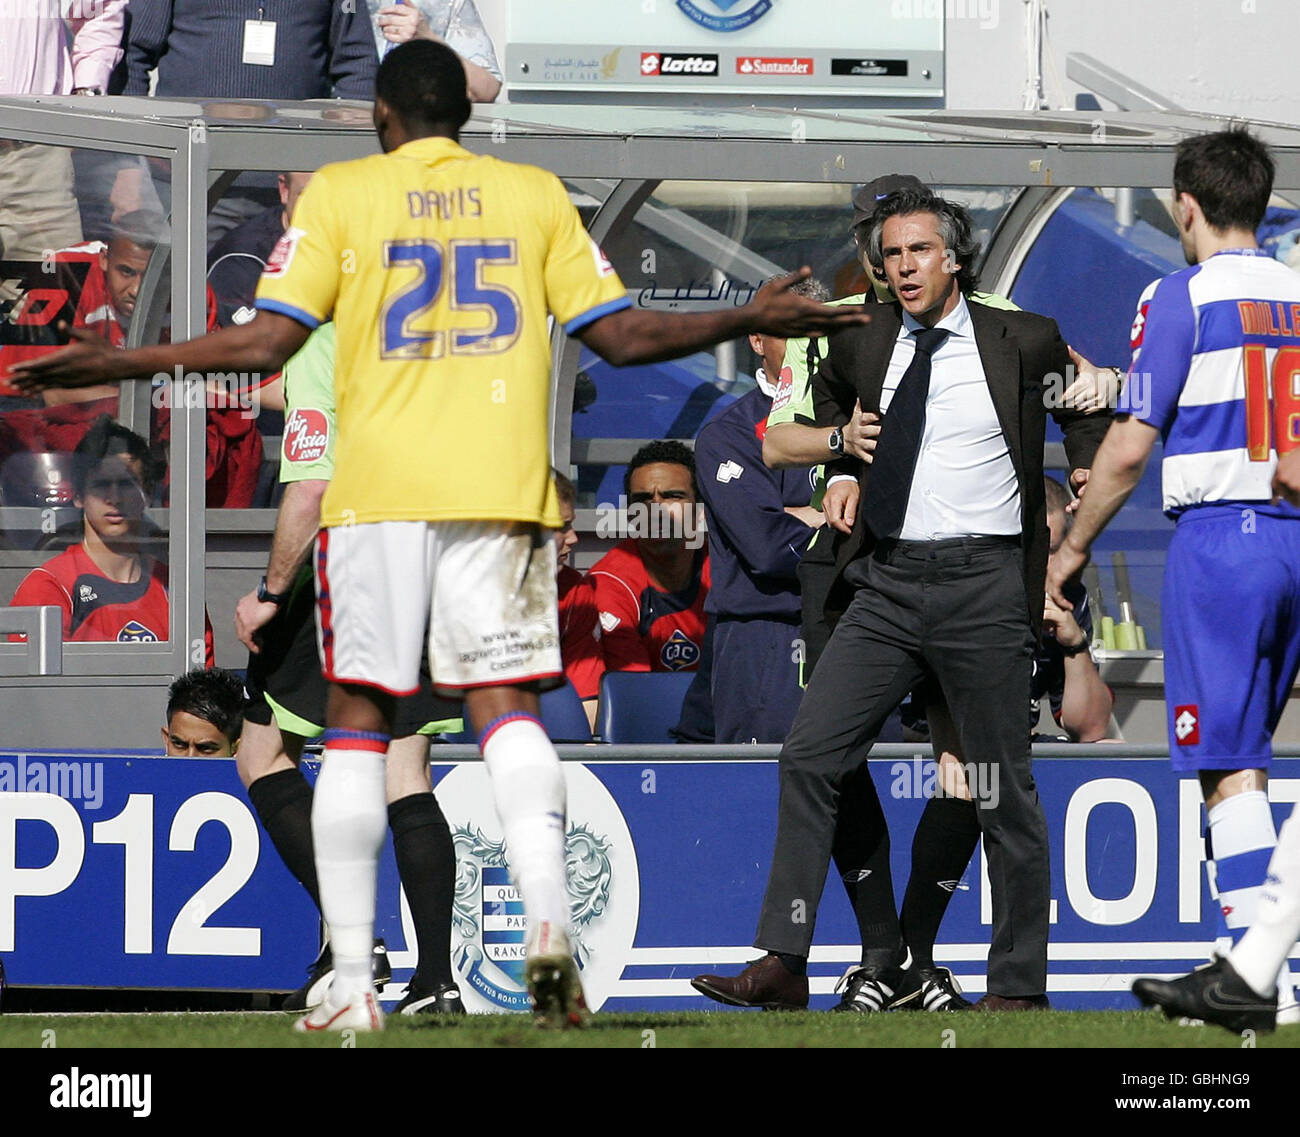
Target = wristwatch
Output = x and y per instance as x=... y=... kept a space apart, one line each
x=1077 y=649
x=264 y=596
x=835 y=442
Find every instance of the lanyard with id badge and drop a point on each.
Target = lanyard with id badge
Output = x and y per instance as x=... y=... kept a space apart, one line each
x=259 y=39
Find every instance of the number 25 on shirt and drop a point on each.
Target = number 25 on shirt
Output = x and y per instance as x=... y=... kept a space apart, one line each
x=459 y=268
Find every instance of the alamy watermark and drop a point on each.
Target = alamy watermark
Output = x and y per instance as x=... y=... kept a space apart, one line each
x=652 y=520
x=215 y=390
x=987 y=12
x=77 y=780
x=921 y=778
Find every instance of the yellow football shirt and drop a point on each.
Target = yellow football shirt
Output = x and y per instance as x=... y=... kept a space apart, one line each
x=439 y=267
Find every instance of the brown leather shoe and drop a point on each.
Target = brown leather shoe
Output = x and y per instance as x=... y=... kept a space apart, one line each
x=1006 y=1003
x=764 y=983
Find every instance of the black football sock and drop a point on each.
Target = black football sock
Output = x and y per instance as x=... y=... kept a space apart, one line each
x=283 y=803
x=794 y=964
x=861 y=852
x=426 y=862
x=945 y=839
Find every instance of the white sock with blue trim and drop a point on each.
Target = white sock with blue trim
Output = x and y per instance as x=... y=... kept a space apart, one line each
x=528 y=785
x=1243 y=838
x=1272 y=935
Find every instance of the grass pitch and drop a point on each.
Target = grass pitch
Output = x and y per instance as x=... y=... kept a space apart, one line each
x=734 y=1030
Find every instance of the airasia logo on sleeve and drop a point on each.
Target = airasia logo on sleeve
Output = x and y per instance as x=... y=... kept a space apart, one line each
x=670 y=63
x=306 y=436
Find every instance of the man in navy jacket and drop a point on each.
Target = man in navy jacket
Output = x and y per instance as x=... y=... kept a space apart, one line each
x=760 y=523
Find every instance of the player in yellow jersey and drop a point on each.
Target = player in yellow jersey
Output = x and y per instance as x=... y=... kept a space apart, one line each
x=439 y=268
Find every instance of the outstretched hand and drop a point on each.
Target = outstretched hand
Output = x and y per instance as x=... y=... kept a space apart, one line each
x=780 y=311
x=88 y=360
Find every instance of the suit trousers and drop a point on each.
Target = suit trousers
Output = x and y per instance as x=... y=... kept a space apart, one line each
x=957 y=610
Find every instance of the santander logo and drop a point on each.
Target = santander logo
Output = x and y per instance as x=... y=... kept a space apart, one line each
x=306 y=436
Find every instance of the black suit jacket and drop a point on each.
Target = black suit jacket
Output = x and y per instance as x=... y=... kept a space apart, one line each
x=1025 y=363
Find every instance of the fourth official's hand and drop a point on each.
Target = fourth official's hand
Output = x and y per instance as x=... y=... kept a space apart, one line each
x=861 y=433
x=251 y=616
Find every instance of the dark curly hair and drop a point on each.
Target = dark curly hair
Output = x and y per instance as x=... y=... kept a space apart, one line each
x=211 y=694
x=665 y=450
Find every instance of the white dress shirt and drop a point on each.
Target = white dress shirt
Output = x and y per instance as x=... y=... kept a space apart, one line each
x=964 y=484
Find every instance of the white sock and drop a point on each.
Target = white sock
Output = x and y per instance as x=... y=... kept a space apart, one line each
x=528 y=786
x=349 y=817
x=1242 y=837
x=1263 y=950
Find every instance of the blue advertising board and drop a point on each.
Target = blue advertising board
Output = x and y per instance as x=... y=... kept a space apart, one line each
x=124 y=870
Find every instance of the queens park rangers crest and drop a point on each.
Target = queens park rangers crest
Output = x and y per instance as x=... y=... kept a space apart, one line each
x=489 y=929
x=725 y=15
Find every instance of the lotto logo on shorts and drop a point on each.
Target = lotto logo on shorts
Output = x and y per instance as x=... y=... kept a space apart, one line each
x=1187 y=725
x=1138 y=330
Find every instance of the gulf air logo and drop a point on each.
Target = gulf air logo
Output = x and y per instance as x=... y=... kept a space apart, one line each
x=679 y=653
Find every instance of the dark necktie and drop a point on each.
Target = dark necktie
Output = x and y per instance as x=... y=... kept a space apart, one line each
x=890 y=479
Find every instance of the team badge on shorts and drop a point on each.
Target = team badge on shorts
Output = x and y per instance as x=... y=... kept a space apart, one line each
x=1187 y=725
x=679 y=653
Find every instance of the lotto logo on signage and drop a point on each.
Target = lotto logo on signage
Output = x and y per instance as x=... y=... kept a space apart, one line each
x=761 y=65
x=668 y=63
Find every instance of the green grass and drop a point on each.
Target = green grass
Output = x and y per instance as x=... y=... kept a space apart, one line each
x=1037 y=1030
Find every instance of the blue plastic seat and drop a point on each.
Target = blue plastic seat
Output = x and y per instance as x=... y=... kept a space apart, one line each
x=641 y=706
x=563 y=715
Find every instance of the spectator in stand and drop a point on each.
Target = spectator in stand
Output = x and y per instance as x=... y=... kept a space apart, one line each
x=580 y=647
x=108 y=589
x=236 y=262
x=44 y=53
x=651 y=588
x=240 y=49
x=205 y=714
x=453 y=22
x=106 y=306
x=760 y=523
x=237 y=49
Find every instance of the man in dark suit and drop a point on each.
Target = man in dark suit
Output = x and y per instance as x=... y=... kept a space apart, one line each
x=942 y=573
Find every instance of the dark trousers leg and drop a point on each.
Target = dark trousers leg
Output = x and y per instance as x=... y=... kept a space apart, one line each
x=979 y=646
x=755 y=680
x=870 y=663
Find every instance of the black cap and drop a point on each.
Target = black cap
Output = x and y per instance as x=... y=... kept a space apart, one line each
x=866 y=197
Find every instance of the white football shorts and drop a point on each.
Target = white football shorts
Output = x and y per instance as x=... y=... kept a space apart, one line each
x=485 y=590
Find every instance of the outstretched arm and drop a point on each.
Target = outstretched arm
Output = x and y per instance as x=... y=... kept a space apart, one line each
x=633 y=335
x=1116 y=471
x=262 y=346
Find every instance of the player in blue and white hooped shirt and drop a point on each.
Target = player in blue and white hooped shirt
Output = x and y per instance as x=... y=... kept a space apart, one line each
x=1216 y=375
